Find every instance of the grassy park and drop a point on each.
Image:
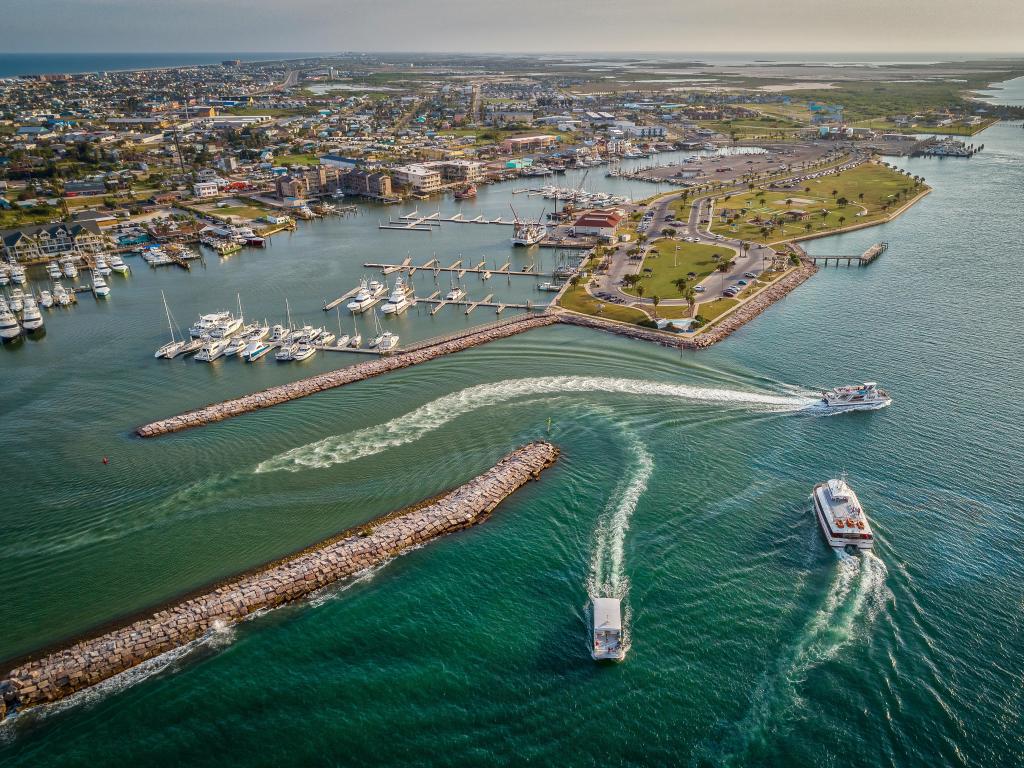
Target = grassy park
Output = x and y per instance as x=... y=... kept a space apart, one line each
x=867 y=193
x=577 y=299
x=663 y=265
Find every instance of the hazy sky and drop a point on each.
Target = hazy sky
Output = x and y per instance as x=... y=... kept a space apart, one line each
x=733 y=26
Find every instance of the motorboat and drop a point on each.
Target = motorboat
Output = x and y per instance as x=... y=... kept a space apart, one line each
x=99 y=285
x=45 y=299
x=53 y=270
x=607 y=640
x=278 y=333
x=18 y=274
x=455 y=294
x=31 y=317
x=226 y=327
x=254 y=350
x=367 y=295
x=9 y=328
x=206 y=323
x=212 y=349
x=61 y=295
x=69 y=269
x=326 y=338
x=17 y=300
x=386 y=342
x=398 y=301
x=5 y=276
x=303 y=350
x=342 y=341
x=840 y=516
x=236 y=346
x=117 y=264
x=100 y=265
x=285 y=353
x=866 y=396
x=547 y=286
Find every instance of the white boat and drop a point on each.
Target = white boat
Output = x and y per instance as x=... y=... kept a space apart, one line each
x=5 y=276
x=278 y=333
x=60 y=295
x=398 y=301
x=841 y=517
x=99 y=285
x=226 y=327
x=326 y=338
x=607 y=618
x=285 y=353
x=45 y=299
x=236 y=345
x=367 y=295
x=9 y=328
x=528 y=232
x=866 y=396
x=101 y=265
x=455 y=294
x=69 y=268
x=342 y=341
x=386 y=342
x=212 y=349
x=53 y=270
x=303 y=350
x=254 y=350
x=18 y=274
x=551 y=287
x=17 y=300
x=31 y=317
x=117 y=264
x=206 y=323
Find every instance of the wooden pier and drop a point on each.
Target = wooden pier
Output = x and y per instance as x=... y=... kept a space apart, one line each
x=456 y=267
x=470 y=304
x=863 y=260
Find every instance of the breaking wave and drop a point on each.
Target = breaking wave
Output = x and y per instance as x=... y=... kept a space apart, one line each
x=340 y=449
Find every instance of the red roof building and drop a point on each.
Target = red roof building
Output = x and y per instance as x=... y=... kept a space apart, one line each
x=598 y=223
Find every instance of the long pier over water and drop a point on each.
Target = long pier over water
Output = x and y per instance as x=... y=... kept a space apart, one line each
x=88 y=662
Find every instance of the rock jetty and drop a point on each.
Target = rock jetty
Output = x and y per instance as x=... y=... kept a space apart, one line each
x=88 y=662
x=339 y=378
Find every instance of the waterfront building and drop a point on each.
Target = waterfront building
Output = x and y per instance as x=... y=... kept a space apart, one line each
x=48 y=241
x=598 y=224
x=313 y=182
x=367 y=184
x=528 y=143
x=419 y=177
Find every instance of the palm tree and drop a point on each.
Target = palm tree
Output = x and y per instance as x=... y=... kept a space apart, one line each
x=640 y=292
x=691 y=299
x=807 y=226
x=681 y=284
x=841 y=220
x=657 y=300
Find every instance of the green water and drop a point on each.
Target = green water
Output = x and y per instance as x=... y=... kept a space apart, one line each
x=683 y=487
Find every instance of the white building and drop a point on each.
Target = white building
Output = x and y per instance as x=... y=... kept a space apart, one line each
x=204 y=189
x=418 y=177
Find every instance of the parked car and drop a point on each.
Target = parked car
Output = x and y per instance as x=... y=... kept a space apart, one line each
x=751 y=275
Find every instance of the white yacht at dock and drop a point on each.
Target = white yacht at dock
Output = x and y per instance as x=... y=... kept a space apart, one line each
x=9 y=327
x=206 y=323
x=398 y=301
x=367 y=295
x=607 y=617
x=212 y=349
x=841 y=517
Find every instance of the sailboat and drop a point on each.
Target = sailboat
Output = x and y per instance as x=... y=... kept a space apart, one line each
x=357 y=337
x=342 y=338
x=384 y=341
x=175 y=346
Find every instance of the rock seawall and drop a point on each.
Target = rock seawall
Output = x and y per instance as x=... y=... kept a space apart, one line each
x=353 y=373
x=88 y=662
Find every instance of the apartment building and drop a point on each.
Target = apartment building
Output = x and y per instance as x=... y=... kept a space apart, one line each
x=420 y=178
x=51 y=241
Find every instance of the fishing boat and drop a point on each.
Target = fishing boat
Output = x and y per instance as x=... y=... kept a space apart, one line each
x=18 y=274
x=99 y=286
x=841 y=517
x=303 y=350
x=60 y=295
x=53 y=270
x=285 y=353
x=212 y=349
x=31 y=317
x=255 y=350
x=17 y=300
x=45 y=299
x=386 y=342
x=69 y=268
x=117 y=264
x=367 y=295
x=607 y=618
x=398 y=301
x=527 y=232
x=866 y=396
x=101 y=265
x=9 y=328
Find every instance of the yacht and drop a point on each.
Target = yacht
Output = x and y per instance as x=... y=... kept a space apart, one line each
x=101 y=265
x=117 y=264
x=212 y=349
x=53 y=270
x=303 y=350
x=206 y=323
x=386 y=342
x=278 y=333
x=99 y=285
x=367 y=295
x=285 y=353
x=60 y=295
x=69 y=268
x=552 y=287
x=841 y=517
x=866 y=396
x=31 y=317
x=326 y=338
x=45 y=299
x=254 y=350
x=455 y=294
x=607 y=617
x=9 y=328
x=236 y=346
x=5 y=276
x=17 y=300
x=18 y=274
x=398 y=301
x=528 y=232
x=356 y=340
x=342 y=341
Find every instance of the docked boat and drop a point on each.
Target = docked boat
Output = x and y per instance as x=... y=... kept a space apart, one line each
x=53 y=270
x=5 y=276
x=285 y=353
x=99 y=285
x=254 y=350
x=45 y=299
x=278 y=333
x=367 y=295
x=398 y=301
x=455 y=294
x=226 y=327
x=551 y=287
x=236 y=345
x=607 y=618
x=18 y=274
x=866 y=396
x=528 y=233
x=841 y=517
x=9 y=328
x=31 y=317
x=386 y=342
x=465 y=193
x=17 y=300
x=117 y=264
x=61 y=295
x=303 y=350
x=206 y=323
x=326 y=338
x=212 y=349
x=101 y=265
x=69 y=269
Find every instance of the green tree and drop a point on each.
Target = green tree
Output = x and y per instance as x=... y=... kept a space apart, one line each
x=656 y=299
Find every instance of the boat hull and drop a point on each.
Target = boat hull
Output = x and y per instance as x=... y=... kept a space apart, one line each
x=833 y=539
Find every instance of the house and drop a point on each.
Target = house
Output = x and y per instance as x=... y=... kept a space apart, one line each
x=205 y=189
x=598 y=224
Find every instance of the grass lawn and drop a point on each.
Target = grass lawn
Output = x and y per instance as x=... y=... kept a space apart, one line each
x=297 y=159
x=667 y=266
x=578 y=300
x=243 y=211
x=878 y=184
x=712 y=310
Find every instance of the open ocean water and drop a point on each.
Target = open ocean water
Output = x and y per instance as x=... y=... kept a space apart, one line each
x=683 y=487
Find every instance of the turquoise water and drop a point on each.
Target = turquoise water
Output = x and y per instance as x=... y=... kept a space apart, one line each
x=683 y=487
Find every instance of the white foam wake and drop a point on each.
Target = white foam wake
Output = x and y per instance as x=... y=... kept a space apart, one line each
x=340 y=449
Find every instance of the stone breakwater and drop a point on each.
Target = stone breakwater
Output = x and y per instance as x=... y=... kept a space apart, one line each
x=723 y=328
x=341 y=377
x=91 y=661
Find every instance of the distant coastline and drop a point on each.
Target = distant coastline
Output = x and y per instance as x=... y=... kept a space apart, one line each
x=15 y=64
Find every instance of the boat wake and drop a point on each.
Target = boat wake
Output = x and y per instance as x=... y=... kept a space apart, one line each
x=340 y=449
x=857 y=595
x=820 y=409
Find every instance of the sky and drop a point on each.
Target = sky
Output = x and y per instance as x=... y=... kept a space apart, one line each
x=730 y=26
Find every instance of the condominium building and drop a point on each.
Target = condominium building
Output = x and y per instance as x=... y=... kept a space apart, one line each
x=43 y=241
x=418 y=177
x=313 y=182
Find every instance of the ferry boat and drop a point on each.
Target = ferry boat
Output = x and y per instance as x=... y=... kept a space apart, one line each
x=866 y=396
x=841 y=517
x=398 y=301
x=368 y=295
x=9 y=328
x=31 y=317
x=212 y=349
x=607 y=645
x=528 y=233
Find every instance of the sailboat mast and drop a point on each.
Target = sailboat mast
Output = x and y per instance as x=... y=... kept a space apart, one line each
x=170 y=325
